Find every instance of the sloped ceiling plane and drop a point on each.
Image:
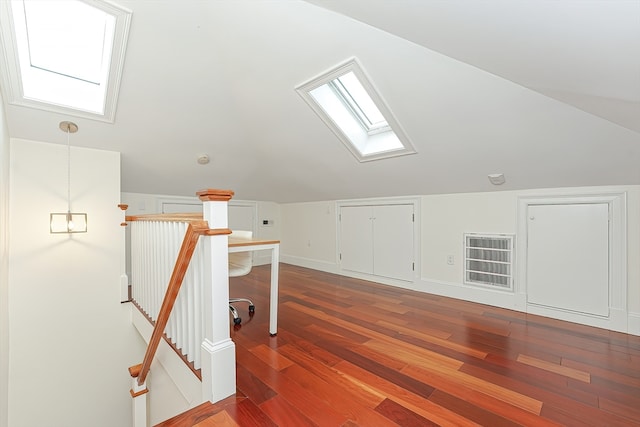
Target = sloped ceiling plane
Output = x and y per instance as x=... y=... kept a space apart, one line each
x=547 y=93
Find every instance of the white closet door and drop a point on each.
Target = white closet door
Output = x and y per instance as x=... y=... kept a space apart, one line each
x=356 y=239
x=181 y=207
x=568 y=257
x=393 y=241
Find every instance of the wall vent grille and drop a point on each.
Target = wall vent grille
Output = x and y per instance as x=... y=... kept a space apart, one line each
x=488 y=260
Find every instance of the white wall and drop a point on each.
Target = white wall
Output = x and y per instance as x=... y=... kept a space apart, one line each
x=269 y=211
x=445 y=218
x=309 y=235
x=71 y=340
x=309 y=239
x=173 y=388
x=4 y=267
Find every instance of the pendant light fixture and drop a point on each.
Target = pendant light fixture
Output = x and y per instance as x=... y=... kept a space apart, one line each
x=68 y=222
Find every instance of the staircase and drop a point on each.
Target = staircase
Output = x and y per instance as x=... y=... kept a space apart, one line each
x=185 y=293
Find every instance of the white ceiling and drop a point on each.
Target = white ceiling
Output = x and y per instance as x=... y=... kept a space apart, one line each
x=546 y=92
x=585 y=53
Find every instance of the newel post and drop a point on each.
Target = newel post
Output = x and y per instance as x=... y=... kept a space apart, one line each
x=139 y=395
x=218 y=351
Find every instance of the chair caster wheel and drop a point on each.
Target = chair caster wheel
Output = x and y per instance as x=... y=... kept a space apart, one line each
x=252 y=309
x=237 y=321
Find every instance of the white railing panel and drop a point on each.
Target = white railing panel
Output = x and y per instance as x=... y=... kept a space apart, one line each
x=154 y=249
x=199 y=322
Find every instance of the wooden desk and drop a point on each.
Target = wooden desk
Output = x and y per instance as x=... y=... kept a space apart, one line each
x=236 y=245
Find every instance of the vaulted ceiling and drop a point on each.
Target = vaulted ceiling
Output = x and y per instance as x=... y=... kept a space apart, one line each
x=547 y=93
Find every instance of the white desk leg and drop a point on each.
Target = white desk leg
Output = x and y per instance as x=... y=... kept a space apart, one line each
x=273 y=300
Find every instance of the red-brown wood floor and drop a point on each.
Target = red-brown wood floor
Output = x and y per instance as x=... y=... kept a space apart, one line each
x=356 y=353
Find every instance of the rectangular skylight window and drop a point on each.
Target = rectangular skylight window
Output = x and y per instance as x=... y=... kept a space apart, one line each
x=347 y=102
x=356 y=97
x=64 y=55
x=68 y=38
x=64 y=49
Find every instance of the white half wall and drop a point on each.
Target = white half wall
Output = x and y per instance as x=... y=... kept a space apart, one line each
x=70 y=339
x=173 y=388
x=309 y=239
x=309 y=235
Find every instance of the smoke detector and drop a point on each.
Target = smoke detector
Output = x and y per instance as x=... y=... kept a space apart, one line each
x=203 y=159
x=496 y=178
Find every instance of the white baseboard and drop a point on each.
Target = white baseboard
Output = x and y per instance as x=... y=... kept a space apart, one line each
x=331 y=267
x=218 y=369
x=634 y=324
x=509 y=300
x=413 y=286
x=618 y=320
x=314 y=264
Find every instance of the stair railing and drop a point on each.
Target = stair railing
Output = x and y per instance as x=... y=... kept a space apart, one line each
x=204 y=296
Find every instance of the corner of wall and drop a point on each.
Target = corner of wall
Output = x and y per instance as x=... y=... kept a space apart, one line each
x=633 y=326
x=4 y=268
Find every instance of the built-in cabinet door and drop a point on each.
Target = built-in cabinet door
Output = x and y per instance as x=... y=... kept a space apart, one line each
x=377 y=240
x=356 y=239
x=393 y=241
x=568 y=257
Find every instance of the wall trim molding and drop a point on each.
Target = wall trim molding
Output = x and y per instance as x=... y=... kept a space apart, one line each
x=633 y=323
x=493 y=297
x=618 y=320
x=327 y=267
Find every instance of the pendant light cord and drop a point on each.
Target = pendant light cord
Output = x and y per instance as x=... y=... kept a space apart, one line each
x=68 y=172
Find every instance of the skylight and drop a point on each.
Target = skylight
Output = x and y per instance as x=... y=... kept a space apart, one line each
x=348 y=103
x=350 y=89
x=68 y=54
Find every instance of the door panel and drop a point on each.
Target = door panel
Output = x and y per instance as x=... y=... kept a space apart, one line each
x=568 y=257
x=393 y=241
x=356 y=239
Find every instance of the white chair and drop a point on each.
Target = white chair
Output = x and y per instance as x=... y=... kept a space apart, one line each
x=240 y=264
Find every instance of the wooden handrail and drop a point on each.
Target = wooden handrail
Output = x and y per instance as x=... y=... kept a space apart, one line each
x=179 y=217
x=195 y=229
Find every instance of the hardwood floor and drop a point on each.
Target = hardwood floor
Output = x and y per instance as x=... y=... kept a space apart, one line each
x=355 y=353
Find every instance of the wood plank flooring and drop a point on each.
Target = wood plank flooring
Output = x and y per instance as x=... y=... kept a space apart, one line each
x=356 y=353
